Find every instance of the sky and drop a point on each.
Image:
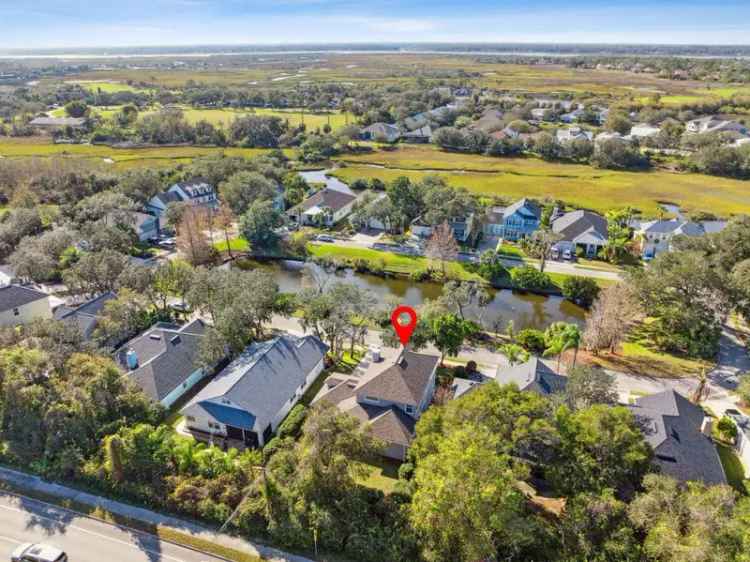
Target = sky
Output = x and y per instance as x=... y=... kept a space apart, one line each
x=93 y=23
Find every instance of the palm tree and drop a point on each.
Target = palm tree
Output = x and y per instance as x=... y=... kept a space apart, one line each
x=560 y=337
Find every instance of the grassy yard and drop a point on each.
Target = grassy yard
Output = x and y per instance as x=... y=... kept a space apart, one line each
x=732 y=467
x=394 y=263
x=106 y=86
x=576 y=184
x=637 y=358
x=235 y=244
x=383 y=475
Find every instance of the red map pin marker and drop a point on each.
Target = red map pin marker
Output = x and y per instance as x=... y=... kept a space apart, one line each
x=404 y=331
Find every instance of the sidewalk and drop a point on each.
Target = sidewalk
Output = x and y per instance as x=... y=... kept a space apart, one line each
x=36 y=484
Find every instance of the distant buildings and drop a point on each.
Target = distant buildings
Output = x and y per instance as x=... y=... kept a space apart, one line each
x=57 y=123
x=713 y=124
x=381 y=132
x=573 y=133
x=196 y=192
x=21 y=305
x=245 y=403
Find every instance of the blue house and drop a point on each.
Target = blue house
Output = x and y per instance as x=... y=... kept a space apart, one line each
x=517 y=221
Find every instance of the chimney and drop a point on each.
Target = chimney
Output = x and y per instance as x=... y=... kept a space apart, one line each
x=131 y=358
x=707 y=426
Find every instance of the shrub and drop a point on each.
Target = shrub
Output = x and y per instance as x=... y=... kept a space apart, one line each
x=292 y=424
x=531 y=340
x=359 y=184
x=727 y=428
x=580 y=290
x=529 y=278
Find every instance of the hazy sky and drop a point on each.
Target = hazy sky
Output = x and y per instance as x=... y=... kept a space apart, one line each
x=70 y=23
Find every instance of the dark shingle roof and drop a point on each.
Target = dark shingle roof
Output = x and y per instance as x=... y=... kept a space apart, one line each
x=257 y=384
x=572 y=225
x=84 y=316
x=533 y=375
x=167 y=356
x=672 y=426
x=404 y=382
x=331 y=198
x=14 y=296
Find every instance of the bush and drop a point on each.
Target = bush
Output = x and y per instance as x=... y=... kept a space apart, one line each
x=727 y=428
x=292 y=424
x=531 y=340
x=580 y=290
x=530 y=278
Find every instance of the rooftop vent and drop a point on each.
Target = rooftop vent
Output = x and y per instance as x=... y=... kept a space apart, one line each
x=155 y=336
x=175 y=340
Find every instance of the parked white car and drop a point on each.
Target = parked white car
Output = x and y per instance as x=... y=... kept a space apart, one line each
x=38 y=553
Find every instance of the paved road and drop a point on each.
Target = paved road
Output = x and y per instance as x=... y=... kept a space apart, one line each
x=85 y=540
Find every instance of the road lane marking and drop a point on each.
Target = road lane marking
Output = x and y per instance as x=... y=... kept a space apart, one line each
x=95 y=534
x=8 y=539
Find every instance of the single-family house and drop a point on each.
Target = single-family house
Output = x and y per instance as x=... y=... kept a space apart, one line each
x=246 y=401
x=197 y=192
x=580 y=229
x=20 y=305
x=390 y=393
x=514 y=222
x=490 y=120
x=572 y=116
x=57 y=123
x=416 y=121
x=420 y=135
x=164 y=361
x=644 y=131
x=713 y=124
x=608 y=136
x=534 y=375
x=85 y=316
x=324 y=208
x=573 y=133
x=679 y=432
x=655 y=237
x=538 y=113
x=381 y=132
x=146 y=226
x=463 y=228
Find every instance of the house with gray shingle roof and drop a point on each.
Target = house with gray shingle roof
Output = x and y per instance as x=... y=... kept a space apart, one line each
x=20 y=305
x=655 y=237
x=673 y=426
x=197 y=192
x=388 y=394
x=381 y=132
x=86 y=316
x=534 y=375
x=580 y=229
x=164 y=361
x=324 y=208
x=249 y=398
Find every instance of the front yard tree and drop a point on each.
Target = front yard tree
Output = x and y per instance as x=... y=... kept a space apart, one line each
x=587 y=386
x=539 y=245
x=192 y=240
x=560 y=337
x=614 y=312
x=448 y=333
x=244 y=188
x=259 y=223
x=442 y=245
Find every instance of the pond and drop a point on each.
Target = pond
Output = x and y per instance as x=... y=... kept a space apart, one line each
x=526 y=310
x=321 y=176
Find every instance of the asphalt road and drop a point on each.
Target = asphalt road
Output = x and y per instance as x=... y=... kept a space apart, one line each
x=84 y=540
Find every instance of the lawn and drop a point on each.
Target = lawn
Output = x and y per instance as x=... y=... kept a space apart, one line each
x=576 y=184
x=638 y=359
x=732 y=467
x=383 y=475
x=394 y=263
x=235 y=244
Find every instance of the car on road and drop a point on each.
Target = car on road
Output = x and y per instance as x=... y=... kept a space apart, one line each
x=38 y=553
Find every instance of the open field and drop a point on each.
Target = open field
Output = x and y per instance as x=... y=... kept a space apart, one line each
x=106 y=86
x=313 y=121
x=579 y=185
x=482 y=71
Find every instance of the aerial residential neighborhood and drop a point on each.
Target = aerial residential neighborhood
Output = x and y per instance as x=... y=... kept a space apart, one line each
x=375 y=282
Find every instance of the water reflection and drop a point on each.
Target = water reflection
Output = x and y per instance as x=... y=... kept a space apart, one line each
x=526 y=310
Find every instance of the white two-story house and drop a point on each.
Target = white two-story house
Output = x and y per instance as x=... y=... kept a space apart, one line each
x=196 y=192
x=20 y=305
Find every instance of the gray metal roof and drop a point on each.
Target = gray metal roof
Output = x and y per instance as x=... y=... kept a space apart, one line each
x=14 y=296
x=534 y=375
x=672 y=426
x=257 y=384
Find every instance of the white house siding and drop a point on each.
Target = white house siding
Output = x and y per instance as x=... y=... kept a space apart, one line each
x=189 y=383
x=742 y=446
x=37 y=310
